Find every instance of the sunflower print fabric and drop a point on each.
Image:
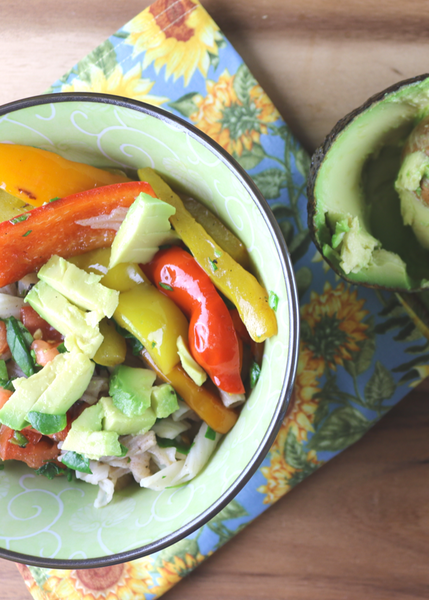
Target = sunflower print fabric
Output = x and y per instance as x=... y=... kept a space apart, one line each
x=360 y=351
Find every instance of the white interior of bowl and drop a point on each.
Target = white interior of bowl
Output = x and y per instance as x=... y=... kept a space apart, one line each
x=56 y=520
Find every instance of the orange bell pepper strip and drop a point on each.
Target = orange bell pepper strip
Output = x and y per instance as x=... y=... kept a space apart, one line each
x=36 y=176
x=199 y=398
x=212 y=337
x=59 y=227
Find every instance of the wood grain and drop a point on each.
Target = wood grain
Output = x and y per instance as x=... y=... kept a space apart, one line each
x=359 y=527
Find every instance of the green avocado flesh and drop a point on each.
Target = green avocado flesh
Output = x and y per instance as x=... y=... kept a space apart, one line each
x=355 y=211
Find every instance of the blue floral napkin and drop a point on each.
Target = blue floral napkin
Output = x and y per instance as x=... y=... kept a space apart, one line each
x=360 y=351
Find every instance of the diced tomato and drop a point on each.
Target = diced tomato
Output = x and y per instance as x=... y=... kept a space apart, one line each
x=4 y=396
x=3 y=339
x=35 y=455
x=33 y=322
x=45 y=351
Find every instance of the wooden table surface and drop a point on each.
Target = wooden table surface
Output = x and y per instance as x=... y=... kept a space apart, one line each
x=359 y=527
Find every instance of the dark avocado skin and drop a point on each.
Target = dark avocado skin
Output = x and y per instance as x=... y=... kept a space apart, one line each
x=319 y=156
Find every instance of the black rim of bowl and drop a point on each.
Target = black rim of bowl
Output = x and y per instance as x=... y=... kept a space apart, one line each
x=291 y=366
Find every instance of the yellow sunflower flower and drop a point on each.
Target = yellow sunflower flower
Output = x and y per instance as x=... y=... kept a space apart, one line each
x=299 y=419
x=334 y=324
x=180 y=36
x=233 y=125
x=127 y=581
x=172 y=572
x=129 y=85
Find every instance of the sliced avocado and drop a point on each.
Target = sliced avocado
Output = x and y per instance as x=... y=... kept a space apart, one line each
x=93 y=444
x=44 y=398
x=115 y=420
x=72 y=378
x=164 y=400
x=192 y=368
x=144 y=229
x=355 y=214
x=89 y=419
x=27 y=392
x=87 y=438
x=81 y=288
x=130 y=389
x=77 y=326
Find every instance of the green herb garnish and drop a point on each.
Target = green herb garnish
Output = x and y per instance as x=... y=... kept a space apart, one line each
x=50 y=470
x=76 y=461
x=166 y=286
x=210 y=434
x=135 y=345
x=18 y=439
x=124 y=450
x=19 y=340
x=19 y=219
x=213 y=264
x=27 y=233
x=62 y=348
x=255 y=371
x=45 y=423
x=273 y=300
x=166 y=443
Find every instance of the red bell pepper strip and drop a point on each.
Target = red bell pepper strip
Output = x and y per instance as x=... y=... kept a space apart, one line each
x=212 y=337
x=27 y=242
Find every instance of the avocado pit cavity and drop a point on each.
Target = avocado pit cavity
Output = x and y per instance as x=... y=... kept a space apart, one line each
x=368 y=191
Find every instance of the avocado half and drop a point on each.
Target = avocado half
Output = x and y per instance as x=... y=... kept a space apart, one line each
x=357 y=213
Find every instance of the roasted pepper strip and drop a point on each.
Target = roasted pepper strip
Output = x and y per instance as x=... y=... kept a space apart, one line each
x=217 y=230
x=36 y=176
x=155 y=321
x=212 y=337
x=61 y=228
x=201 y=400
x=237 y=284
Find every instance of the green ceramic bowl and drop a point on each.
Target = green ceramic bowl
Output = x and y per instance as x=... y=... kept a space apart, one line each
x=53 y=523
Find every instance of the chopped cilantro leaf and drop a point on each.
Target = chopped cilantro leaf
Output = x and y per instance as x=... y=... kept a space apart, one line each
x=19 y=219
x=18 y=439
x=273 y=300
x=213 y=264
x=210 y=434
x=255 y=371
x=166 y=286
x=50 y=470
x=76 y=461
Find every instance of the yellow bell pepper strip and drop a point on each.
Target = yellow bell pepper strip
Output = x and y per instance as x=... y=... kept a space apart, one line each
x=11 y=207
x=155 y=321
x=122 y=278
x=237 y=284
x=36 y=176
x=113 y=348
x=61 y=228
x=142 y=311
x=217 y=230
x=199 y=398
